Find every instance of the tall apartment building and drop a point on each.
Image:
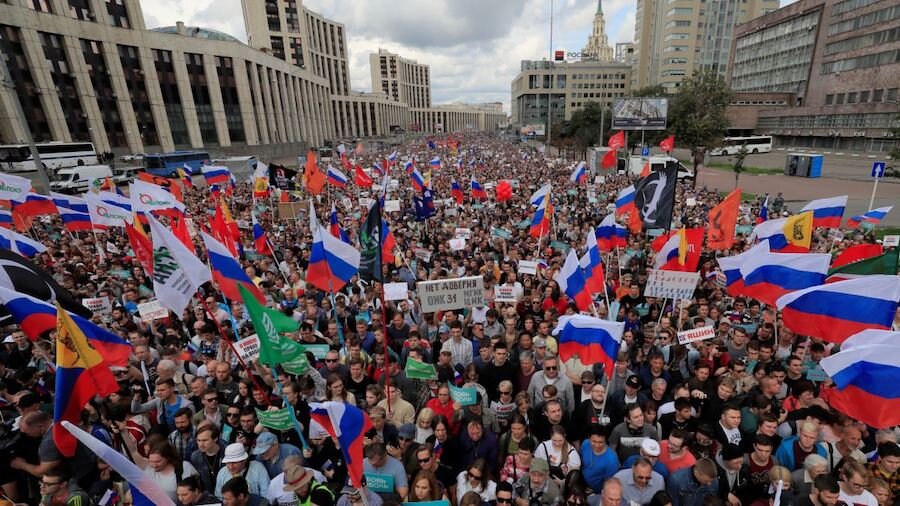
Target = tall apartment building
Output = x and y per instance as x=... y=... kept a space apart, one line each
x=834 y=63
x=675 y=38
x=402 y=79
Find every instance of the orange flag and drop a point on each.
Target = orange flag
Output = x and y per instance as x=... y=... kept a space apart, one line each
x=315 y=180
x=722 y=222
x=646 y=170
x=635 y=222
x=168 y=184
x=609 y=159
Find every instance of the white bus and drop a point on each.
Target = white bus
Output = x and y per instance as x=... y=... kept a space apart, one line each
x=54 y=156
x=754 y=143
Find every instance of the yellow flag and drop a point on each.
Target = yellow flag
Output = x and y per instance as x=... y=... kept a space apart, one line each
x=73 y=350
x=798 y=230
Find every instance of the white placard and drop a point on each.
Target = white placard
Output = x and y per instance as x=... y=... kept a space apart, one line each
x=890 y=240
x=528 y=267
x=465 y=233
x=457 y=244
x=395 y=291
x=248 y=348
x=391 y=206
x=599 y=179
x=671 y=284
x=366 y=202
x=347 y=203
x=836 y=234
x=690 y=202
x=451 y=293
x=505 y=294
x=152 y=310
x=423 y=254
x=100 y=305
x=451 y=212
x=243 y=224
x=699 y=334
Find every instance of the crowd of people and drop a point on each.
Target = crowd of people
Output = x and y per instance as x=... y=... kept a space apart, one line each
x=731 y=420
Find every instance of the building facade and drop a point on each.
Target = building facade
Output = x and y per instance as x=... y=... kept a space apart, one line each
x=840 y=62
x=402 y=79
x=597 y=47
x=675 y=38
x=567 y=87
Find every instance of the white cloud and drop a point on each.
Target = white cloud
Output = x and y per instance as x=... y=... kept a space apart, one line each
x=474 y=47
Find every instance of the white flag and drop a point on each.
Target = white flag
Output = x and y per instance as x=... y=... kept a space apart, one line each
x=108 y=209
x=14 y=187
x=177 y=272
x=147 y=197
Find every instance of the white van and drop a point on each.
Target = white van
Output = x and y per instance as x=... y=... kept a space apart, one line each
x=636 y=165
x=77 y=179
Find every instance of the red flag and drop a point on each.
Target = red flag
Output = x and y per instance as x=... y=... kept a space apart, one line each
x=646 y=170
x=285 y=196
x=222 y=232
x=617 y=141
x=168 y=184
x=635 y=222
x=504 y=191
x=668 y=144
x=140 y=243
x=180 y=229
x=658 y=243
x=345 y=161
x=609 y=159
x=315 y=180
x=856 y=253
x=361 y=178
x=722 y=222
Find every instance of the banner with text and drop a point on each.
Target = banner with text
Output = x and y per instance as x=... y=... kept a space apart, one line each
x=671 y=284
x=451 y=293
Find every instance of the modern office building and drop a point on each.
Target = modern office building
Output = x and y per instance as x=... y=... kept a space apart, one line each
x=567 y=87
x=822 y=73
x=89 y=70
x=675 y=38
x=402 y=79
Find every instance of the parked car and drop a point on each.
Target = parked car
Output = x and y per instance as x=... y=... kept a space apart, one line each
x=126 y=175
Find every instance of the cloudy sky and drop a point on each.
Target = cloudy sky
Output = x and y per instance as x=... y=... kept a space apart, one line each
x=474 y=47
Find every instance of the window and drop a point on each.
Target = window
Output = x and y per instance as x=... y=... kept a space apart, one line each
x=64 y=81
x=851 y=97
x=862 y=21
x=39 y=5
x=11 y=47
x=840 y=99
x=117 y=13
x=168 y=86
x=863 y=97
x=680 y=11
x=829 y=99
x=892 y=95
x=877 y=95
x=81 y=9
x=107 y=101
x=862 y=62
x=868 y=40
x=129 y=58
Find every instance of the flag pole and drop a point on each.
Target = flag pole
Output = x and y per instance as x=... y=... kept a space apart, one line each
x=387 y=373
x=290 y=409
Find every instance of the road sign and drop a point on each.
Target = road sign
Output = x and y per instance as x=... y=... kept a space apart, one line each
x=878 y=169
x=645 y=151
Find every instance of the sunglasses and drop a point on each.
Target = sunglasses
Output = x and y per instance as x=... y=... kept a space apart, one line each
x=504 y=500
x=505 y=392
x=424 y=461
x=233 y=415
x=551 y=368
x=331 y=360
x=211 y=399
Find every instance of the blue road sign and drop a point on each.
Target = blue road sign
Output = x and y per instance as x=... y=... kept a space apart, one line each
x=878 y=169
x=645 y=151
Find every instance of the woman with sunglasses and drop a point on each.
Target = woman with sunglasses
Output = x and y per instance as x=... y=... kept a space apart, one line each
x=476 y=479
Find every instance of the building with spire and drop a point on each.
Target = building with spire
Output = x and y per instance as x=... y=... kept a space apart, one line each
x=598 y=47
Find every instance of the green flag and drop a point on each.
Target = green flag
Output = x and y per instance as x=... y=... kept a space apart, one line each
x=419 y=370
x=269 y=323
x=298 y=366
x=278 y=420
x=882 y=264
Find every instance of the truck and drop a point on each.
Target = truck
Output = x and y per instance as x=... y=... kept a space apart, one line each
x=77 y=179
x=595 y=156
x=636 y=164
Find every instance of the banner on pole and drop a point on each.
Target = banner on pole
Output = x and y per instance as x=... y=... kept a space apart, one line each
x=248 y=348
x=698 y=334
x=450 y=294
x=671 y=284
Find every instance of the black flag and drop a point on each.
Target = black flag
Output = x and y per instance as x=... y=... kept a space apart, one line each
x=654 y=197
x=21 y=275
x=370 y=245
x=281 y=177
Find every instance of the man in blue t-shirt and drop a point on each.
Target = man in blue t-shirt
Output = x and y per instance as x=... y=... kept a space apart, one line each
x=598 y=461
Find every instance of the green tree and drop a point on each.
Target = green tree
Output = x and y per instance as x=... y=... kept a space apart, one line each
x=697 y=114
x=583 y=130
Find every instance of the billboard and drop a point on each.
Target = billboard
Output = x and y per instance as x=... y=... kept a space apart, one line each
x=640 y=113
x=533 y=130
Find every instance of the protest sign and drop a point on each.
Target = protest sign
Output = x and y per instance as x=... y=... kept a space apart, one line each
x=501 y=233
x=464 y=396
x=152 y=310
x=457 y=244
x=380 y=483
x=528 y=267
x=391 y=206
x=365 y=202
x=465 y=233
x=505 y=294
x=248 y=348
x=698 y=334
x=451 y=293
x=99 y=305
x=690 y=202
x=395 y=291
x=890 y=240
x=419 y=370
x=423 y=254
x=817 y=374
x=318 y=350
x=671 y=284
x=278 y=420
x=837 y=235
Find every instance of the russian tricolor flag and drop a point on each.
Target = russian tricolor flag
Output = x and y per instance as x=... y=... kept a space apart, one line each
x=540 y=222
x=865 y=373
x=35 y=204
x=378 y=168
x=456 y=192
x=6 y=219
x=625 y=200
x=836 y=311
x=417 y=180
x=335 y=226
x=827 y=213
x=216 y=175
x=409 y=166
x=595 y=341
x=610 y=235
x=392 y=158
x=763 y=212
x=768 y=276
x=539 y=195
x=70 y=202
x=260 y=239
x=21 y=244
x=435 y=162
x=336 y=177
x=477 y=190
x=579 y=175
x=874 y=217
x=592 y=265
x=332 y=263
x=227 y=272
x=731 y=267
x=572 y=282
x=673 y=254
x=347 y=424
x=75 y=221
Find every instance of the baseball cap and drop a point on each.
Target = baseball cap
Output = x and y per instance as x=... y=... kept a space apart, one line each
x=633 y=381
x=9 y=339
x=650 y=447
x=540 y=342
x=540 y=466
x=407 y=431
x=265 y=441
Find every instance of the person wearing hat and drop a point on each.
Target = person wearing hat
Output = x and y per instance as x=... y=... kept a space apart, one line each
x=734 y=475
x=631 y=394
x=404 y=447
x=536 y=487
x=352 y=496
x=271 y=453
x=650 y=450
x=309 y=491
x=237 y=463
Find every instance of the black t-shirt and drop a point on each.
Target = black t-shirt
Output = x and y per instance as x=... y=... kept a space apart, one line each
x=82 y=466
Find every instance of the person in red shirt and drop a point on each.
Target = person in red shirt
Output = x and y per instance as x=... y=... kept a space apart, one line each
x=673 y=451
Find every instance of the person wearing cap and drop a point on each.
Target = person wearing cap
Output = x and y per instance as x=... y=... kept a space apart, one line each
x=650 y=450
x=690 y=486
x=237 y=463
x=640 y=482
x=734 y=475
x=586 y=381
x=630 y=394
x=540 y=350
x=352 y=496
x=271 y=453
x=536 y=488
x=404 y=446
x=549 y=375
x=309 y=491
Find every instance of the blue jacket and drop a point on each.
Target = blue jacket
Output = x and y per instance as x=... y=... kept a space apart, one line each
x=597 y=468
x=785 y=453
x=685 y=490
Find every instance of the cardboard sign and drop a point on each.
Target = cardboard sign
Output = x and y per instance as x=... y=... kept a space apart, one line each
x=599 y=179
x=423 y=254
x=152 y=310
x=690 y=202
x=395 y=291
x=100 y=305
x=528 y=267
x=505 y=294
x=671 y=284
x=347 y=203
x=465 y=233
x=701 y=334
x=318 y=350
x=817 y=375
x=380 y=483
x=248 y=348
x=457 y=244
x=501 y=233
x=277 y=420
x=890 y=240
x=391 y=206
x=464 y=396
x=451 y=293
